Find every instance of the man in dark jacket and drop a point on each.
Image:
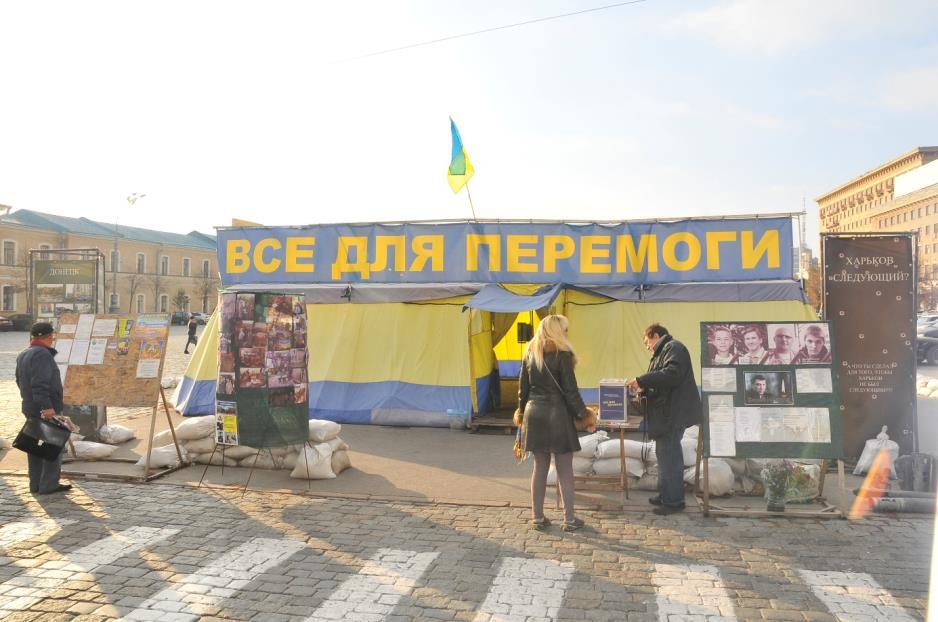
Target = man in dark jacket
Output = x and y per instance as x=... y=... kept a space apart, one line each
x=40 y=384
x=191 y=339
x=673 y=404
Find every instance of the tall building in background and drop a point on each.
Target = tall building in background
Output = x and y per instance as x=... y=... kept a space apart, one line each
x=900 y=195
x=155 y=270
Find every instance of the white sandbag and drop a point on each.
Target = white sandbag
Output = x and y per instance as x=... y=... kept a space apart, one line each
x=321 y=430
x=581 y=465
x=215 y=459
x=611 y=466
x=75 y=436
x=163 y=457
x=650 y=456
x=86 y=450
x=646 y=482
x=738 y=465
x=162 y=438
x=689 y=449
x=692 y=432
x=201 y=445
x=168 y=382
x=932 y=384
x=289 y=460
x=262 y=460
x=720 y=476
x=340 y=461
x=337 y=444
x=314 y=463
x=279 y=452
x=589 y=443
x=114 y=434
x=4 y=443
x=237 y=452
x=633 y=449
x=748 y=487
x=196 y=427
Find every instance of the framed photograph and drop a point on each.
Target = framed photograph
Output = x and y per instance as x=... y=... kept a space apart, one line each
x=246 y=307
x=226 y=384
x=252 y=378
x=751 y=344
x=771 y=387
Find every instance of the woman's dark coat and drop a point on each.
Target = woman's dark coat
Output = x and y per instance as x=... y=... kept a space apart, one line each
x=550 y=407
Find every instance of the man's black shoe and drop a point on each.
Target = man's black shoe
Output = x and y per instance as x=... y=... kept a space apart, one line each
x=656 y=500
x=59 y=488
x=664 y=510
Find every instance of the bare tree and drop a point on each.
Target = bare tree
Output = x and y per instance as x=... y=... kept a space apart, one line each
x=135 y=282
x=180 y=299
x=207 y=286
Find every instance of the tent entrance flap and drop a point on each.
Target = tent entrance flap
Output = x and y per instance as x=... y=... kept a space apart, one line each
x=498 y=299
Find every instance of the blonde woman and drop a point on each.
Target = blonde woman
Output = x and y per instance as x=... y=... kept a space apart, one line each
x=550 y=400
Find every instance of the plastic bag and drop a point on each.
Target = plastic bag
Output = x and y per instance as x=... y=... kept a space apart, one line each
x=872 y=448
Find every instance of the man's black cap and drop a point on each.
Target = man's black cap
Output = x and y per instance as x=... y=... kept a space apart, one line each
x=41 y=329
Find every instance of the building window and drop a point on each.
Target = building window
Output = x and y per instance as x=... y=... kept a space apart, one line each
x=9 y=298
x=185 y=266
x=205 y=266
x=115 y=301
x=164 y=303
x=9 y=253
x=44 y=255
x=164 y=265
x=139 y=303
x=141 y=263
x=115 y=261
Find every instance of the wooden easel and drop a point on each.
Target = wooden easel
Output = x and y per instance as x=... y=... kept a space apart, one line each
x=147 y=475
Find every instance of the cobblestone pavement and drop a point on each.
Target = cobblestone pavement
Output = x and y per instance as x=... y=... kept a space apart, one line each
x=12 y=343
x=162 y=552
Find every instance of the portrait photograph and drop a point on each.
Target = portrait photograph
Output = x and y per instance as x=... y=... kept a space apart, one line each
x=721 y=344
x=243 y=332
x=783 y=344
x=773 y=387
x=751 y=344
x=300 y=393
x=226 y=361
x=815 y=344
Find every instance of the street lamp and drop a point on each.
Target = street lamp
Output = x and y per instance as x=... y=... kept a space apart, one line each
x=113 y=306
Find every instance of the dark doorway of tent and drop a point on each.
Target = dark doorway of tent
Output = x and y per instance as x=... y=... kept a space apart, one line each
x=511 y=333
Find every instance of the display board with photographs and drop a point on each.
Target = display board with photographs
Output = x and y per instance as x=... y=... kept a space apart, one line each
x=769 y=390
x=113 y=359
x=62 y=285
x=261 y=399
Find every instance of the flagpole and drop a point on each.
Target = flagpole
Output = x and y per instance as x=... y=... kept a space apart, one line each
x=471 y=206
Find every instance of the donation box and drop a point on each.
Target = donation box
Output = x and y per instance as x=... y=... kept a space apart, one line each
x=612 y=396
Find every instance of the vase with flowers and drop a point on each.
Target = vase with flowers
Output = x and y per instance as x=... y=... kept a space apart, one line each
x=775 y=476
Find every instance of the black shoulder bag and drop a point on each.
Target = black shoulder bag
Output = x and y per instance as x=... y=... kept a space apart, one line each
x=45 y=438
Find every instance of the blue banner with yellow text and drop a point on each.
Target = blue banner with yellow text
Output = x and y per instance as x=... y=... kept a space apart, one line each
x=744 y=249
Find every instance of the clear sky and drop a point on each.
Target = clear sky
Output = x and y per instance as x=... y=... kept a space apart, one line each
x=265 y=110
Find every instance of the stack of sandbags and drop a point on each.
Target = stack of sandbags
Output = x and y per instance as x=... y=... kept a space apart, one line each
x=607 y=457
x=583 y=459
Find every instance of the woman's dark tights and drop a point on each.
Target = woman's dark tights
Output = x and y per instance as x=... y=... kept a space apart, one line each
x=564 y=466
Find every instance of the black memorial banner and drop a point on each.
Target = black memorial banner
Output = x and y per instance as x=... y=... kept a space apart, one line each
x=869 y=297
x=261 y=398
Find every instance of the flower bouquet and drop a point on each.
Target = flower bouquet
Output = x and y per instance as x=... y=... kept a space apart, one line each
x=775 y=476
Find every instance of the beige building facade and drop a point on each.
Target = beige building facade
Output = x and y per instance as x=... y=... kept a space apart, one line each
x=900 y=195
x=154 y=271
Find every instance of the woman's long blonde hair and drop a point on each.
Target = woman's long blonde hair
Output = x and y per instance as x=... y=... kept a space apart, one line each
x=551 y=336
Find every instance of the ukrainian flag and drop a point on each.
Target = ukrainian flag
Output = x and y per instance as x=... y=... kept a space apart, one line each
x=460 y=168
